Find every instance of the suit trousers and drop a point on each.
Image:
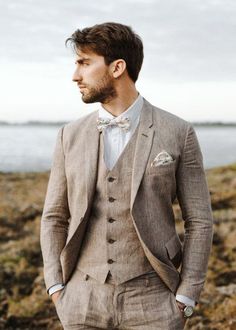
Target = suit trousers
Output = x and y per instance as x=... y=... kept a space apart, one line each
x=143 y=303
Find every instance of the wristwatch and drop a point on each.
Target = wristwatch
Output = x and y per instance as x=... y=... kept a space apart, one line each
x=188 y=311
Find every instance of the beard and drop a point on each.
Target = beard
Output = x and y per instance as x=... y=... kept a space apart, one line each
x=103 y=92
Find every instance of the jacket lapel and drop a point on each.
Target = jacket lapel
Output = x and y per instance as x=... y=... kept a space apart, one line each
x=91 y=158
x=88 y=172
x=142 y=149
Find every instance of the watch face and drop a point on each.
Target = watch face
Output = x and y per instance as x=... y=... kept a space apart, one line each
x=188 y=311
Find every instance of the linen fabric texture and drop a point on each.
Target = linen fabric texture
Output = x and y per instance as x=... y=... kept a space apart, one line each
x=72 y=186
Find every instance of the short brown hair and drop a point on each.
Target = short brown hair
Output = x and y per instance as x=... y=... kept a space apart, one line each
x=112 y=41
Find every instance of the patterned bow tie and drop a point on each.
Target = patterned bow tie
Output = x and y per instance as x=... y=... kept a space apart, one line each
x=123 y=123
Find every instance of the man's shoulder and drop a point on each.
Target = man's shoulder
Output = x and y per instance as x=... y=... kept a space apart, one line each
x=169 y=119
x=168 y=125
x=81 y=124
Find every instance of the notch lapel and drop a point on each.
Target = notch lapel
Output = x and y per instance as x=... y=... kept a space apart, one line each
x=142 y=149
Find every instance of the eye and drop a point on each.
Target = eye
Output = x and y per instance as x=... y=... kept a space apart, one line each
x=80 y=63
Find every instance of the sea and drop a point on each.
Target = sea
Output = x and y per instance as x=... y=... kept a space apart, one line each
x=29 y=148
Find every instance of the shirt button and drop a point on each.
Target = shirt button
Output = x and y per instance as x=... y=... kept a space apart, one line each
x=111 y=179
x=111 y=199
x=111 y=241
x=111 y=220
x=110 y=261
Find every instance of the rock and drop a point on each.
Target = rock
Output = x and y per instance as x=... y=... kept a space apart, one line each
x=228 y=290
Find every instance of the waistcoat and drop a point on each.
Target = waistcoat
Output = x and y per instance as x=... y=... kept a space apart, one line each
x=111 y=243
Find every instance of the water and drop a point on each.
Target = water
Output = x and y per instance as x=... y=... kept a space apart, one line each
x=218 y=145
x=26 y=148
x=30 y=148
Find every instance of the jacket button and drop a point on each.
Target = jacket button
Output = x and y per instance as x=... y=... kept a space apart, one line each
x=111 y=241
x=111 y=199
x=111 y=220
x=110 y=261
x=111 y=179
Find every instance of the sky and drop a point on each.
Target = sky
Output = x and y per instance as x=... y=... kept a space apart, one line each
x=189 y=56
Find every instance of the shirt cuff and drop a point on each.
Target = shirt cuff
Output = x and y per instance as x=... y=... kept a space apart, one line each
x=185 y=300
x=55 y=288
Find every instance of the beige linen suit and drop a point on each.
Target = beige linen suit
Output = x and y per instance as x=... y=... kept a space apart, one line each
x=71 y=190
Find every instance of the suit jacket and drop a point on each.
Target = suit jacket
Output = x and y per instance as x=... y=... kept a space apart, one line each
x=153 y=190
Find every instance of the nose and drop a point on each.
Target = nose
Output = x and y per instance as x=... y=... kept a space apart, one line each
x=77 y=76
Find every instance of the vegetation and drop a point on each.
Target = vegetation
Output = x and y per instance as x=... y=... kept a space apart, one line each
x=24 y=303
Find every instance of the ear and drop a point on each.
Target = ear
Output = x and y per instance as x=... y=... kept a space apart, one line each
x=118 y=67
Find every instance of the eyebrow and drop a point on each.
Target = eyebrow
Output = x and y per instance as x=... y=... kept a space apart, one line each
x=81 y=60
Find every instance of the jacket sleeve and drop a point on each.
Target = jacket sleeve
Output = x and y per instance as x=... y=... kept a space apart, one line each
x=54 y=222
x=194 y=200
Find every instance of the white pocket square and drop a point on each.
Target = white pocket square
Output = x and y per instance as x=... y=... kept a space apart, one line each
x=163 y=158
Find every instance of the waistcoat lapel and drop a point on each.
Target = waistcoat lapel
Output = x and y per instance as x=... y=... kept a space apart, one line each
x=143 y=148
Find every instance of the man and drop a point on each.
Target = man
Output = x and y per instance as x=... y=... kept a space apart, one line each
x=110 y=248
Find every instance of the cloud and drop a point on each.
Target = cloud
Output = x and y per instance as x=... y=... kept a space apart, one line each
x=184 y=40
x=189 y=65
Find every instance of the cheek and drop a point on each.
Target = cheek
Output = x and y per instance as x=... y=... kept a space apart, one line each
x=98 y=71
x=92 y=75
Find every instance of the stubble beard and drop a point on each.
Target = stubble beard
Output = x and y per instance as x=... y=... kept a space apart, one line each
x=103 y=92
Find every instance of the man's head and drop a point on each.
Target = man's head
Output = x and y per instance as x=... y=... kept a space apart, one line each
x=113 y=41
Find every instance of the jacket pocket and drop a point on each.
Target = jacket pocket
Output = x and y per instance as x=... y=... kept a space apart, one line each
x=61 y=295
x=162 y=169
x=174 y=250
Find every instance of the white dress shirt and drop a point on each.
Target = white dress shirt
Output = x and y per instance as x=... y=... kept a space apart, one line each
x=115 y=140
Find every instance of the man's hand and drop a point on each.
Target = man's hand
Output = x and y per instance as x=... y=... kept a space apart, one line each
x=181 y=308
x=56 y=295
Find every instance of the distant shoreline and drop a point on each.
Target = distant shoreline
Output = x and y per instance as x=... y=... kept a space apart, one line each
x=61 y=123
x=230 y=166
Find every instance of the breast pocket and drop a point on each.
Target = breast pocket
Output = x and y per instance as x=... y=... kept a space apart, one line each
x=163 y=169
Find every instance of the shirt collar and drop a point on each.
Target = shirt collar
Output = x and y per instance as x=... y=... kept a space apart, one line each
x=133 y=112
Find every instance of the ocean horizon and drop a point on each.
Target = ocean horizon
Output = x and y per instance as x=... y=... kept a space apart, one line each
x=29 y=147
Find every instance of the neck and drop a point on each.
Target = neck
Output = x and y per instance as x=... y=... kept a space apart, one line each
x=123 y=100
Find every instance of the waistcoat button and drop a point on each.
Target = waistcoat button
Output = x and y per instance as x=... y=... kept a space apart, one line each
x=111 y=199
x=110 y=261
x=86 y=277
x=111 y=241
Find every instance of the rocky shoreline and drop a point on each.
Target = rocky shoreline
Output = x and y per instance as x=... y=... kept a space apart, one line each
x=23 y=301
